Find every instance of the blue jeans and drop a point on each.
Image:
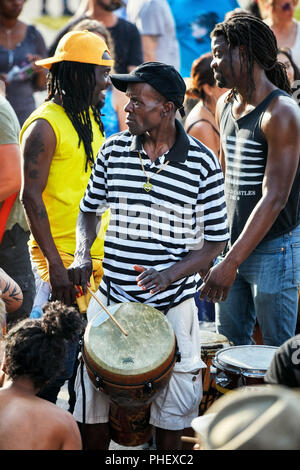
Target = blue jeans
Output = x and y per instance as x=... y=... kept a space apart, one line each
x=266 y=289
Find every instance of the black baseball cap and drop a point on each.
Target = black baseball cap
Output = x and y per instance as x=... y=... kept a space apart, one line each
x=164 y=78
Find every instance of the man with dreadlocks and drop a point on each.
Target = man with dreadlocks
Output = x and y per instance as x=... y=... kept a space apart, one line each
x=259 y=274
x=59 y=142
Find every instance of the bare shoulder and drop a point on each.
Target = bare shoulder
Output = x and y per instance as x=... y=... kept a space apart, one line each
x=281 y=128
x=195 y=115
x=283 y=109
x=31 y=423
x=67 y=429
x=39 y=130
x=38 y=144
x=202 y=128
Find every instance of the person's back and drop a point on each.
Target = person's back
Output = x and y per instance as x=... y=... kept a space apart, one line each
x=31 y=423
x=34 y=354
x=156 y=25
x=194 y=22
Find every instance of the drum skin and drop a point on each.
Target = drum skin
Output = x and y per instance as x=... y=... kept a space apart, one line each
x=132 y=387
x=242 y=366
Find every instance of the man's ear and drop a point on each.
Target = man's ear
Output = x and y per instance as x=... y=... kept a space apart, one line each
x=168 y=108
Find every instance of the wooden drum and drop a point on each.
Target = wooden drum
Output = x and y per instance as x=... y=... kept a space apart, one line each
x=131 y=369
x=211 y=343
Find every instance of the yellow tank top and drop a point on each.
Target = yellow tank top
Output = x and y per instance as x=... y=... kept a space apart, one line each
x=67 y=179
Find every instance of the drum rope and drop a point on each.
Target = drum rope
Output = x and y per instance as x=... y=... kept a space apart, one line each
x=101 y=380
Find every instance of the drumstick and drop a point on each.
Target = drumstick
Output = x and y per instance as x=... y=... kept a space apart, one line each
x=107 y=311
x=189 y=439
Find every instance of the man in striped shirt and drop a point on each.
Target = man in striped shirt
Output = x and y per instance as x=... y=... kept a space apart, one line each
x=168 y=223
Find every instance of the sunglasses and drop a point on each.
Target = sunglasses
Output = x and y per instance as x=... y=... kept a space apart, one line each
x=288 y=5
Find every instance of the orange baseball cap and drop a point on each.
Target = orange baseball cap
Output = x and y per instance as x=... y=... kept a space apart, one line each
x=79 y=46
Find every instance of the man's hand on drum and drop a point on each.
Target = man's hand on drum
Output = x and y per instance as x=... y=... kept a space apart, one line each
x=157 y=281
x=218 y=282
x=80 y=272
x=61 y=287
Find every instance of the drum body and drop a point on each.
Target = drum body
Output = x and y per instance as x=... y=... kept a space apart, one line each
x=131 y=369
x=241 y=366
x=211 y=343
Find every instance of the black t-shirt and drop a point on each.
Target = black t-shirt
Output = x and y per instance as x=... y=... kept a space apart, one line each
x=126 y=42
x=285 y=366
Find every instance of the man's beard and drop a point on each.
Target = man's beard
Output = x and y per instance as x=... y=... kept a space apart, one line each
x=112 y=7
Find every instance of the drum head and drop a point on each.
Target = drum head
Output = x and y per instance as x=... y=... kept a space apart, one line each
x=209 y=338
x=149 y=343
x=253 y=358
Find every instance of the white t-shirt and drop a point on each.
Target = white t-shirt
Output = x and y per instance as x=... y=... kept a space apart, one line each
x=296 y=47
x=155 y=18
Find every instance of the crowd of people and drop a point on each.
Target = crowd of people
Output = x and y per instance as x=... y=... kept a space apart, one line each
x=161 y=169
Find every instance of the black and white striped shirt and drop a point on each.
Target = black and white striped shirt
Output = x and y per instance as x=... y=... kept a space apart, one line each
x=157 y=228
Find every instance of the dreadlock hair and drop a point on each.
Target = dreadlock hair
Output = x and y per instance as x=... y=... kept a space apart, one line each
x=260 y=47
x=75 y=82
x=35 y=347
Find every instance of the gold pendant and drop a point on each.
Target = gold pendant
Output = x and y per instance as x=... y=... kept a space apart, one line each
x=147 y=186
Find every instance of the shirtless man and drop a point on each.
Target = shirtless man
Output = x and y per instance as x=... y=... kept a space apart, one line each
x=33 y=351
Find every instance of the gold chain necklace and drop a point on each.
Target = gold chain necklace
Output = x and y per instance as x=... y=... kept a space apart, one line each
x=148 y=186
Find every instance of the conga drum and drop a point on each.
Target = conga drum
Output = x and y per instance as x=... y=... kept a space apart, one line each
x=130 y=369
x=241 y=366
x=211 y=343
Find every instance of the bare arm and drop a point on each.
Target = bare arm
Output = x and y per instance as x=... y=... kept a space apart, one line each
x=282 y=163
x=195 y=261
x=10 y=175
x=38 y=146
x=87 y=228
x=11 y=293
x=149 y=44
